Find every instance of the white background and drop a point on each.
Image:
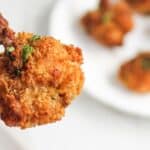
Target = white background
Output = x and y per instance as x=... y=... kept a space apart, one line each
x=88 y=124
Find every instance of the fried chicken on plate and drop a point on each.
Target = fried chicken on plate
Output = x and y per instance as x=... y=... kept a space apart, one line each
x=135 y=73
x=39 y=77
x=109 y=23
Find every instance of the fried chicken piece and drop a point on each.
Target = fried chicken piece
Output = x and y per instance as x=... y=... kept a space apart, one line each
x=135 y=73
x=141 y=6
x=109 y=23
x=39 y=78
x=108 y=34
x=7 y=35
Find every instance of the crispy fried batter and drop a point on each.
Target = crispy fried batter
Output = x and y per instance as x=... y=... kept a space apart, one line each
x=109 y=23
x=37 y=91
x=135 y=74
x=7 y=35
x=141 y=6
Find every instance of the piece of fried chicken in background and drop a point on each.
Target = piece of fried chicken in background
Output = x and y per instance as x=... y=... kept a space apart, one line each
x=39 y=77
x=135 y=73
x=109 y=23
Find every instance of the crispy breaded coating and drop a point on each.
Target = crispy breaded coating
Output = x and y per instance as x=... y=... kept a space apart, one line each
x=141 y=6
x=39 y=78
x=135 y=73
x=7 y=35
x=109 y=23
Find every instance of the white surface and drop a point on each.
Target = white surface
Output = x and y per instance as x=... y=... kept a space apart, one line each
x=87 y=124
x=7 y=142
x=100 y=63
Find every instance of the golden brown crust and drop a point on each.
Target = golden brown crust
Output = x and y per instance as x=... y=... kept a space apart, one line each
x=141 y=6
x=134 y=75
x=7 y=35
x=46 y=84
x=109 y=25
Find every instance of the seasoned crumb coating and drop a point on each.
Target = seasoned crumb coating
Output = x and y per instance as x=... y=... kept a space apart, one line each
x=135 y=73
x=109 y=23
x=39 y=78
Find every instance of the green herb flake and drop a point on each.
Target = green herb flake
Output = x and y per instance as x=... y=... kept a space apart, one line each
x=35 y=38
x=106 y=18
x=26 y=52
x=10 y=48
x=9 y=51
x=17 y=72
x=146 y=63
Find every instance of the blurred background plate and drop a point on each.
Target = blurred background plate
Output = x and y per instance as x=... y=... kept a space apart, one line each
x=101 y=63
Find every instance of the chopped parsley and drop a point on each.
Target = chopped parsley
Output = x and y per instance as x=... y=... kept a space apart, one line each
x=17 y=72
x=146 y=63
x=10 y=48
x=35 y=38
x=106 y=17
x=26 y=52
x=9 y=51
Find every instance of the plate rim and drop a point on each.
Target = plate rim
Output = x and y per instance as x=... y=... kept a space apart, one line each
x=115 y=106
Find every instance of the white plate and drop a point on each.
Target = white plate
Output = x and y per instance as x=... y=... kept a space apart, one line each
x=101 y=63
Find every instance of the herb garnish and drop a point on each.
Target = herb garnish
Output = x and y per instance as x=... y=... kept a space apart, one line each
x=106 y=17
x=146 y=63
x=35 y=38
x=17 y=72
x=26 y=52
x=10 y=49
x=8 y=52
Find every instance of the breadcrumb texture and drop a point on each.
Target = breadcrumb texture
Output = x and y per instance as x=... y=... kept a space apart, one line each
x=109 y=23
x=141 y=6
x=49 y=81
x=134 y=76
